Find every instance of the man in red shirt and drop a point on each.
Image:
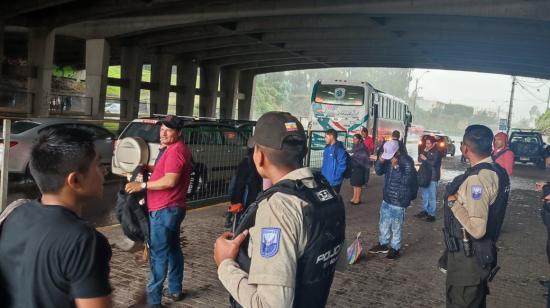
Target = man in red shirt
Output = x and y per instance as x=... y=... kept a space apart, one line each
x=369 y=142
x=502 y=155
x=166 y=196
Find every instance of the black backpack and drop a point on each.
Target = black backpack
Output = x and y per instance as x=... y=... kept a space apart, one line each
x=414 y=185
x=424 y=174
x=132 y=215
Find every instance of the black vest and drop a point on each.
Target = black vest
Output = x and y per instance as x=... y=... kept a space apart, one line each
x=483 y=248
x=324 y=218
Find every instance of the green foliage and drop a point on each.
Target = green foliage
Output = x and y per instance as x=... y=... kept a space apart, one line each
x=543 y=121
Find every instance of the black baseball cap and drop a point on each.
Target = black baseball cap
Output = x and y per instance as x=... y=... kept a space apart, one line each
x=172 y=121
x=274 y=127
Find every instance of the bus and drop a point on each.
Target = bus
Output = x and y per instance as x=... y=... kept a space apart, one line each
x=347 y=107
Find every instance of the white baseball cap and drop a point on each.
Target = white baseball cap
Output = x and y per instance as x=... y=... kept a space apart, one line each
x=390 y=148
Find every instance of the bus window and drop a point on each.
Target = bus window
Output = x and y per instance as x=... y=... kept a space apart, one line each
x=337 y=94
x=388 y=108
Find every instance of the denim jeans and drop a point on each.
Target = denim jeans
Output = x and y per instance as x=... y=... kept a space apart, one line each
x=429 y=197
x=391 y=225
x=165 y=254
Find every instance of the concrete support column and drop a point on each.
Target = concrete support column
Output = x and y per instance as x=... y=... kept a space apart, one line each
x=229 y=85
x=40 y=56
x=98 y=53
x=1 y=47
x=131 y=66
x=210 y=75
x=246 y=91
x=187 y=82
x=161 y=72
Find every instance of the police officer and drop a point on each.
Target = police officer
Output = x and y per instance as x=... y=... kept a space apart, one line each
x=296 y=228
x=475 y=204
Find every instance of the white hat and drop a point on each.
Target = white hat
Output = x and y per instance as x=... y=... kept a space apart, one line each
x=390 y=148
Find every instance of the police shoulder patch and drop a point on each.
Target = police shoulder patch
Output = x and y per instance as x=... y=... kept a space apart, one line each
x=270 y=239
x=477 y=191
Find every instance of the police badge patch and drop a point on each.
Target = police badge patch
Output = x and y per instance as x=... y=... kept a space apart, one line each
x=270 y=238
x=476 y=192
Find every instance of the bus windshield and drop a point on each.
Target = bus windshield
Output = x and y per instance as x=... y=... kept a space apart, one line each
x=335 y=94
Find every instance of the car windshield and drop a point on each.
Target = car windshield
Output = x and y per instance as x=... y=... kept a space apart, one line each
x=150 y=132
x=21 y=126
x=527 y=138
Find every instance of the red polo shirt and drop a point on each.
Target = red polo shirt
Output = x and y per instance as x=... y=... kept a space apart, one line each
x=176 y=159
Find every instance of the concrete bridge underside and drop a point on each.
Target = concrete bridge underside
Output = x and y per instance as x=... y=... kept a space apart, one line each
x=230 y=42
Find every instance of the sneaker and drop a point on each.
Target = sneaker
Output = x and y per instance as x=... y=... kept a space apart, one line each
x=430 y=218
x=421 y=214
x=443 y=270
x=173 y=297
x=544 y=283
x=393 y=254
x=379 y=249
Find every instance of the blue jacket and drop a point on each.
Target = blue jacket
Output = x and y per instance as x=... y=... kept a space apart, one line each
x=397 y=181
x=334 y=163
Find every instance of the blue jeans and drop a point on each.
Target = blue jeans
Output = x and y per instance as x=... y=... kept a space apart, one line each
x=391 y=221
x=429 y=197
x=165 y=252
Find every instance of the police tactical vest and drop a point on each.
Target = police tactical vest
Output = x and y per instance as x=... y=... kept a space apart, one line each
x=324 y=219
x=484 y=248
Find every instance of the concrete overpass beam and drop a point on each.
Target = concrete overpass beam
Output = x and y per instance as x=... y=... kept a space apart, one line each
x=229 y=86
x=246 y=91
x=98 y=53
x=187 y=82
x=131 y=66
x=161 y=73
x=40 y=56
x=210 y=75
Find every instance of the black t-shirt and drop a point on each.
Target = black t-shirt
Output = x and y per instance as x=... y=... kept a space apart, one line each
x=49 y=257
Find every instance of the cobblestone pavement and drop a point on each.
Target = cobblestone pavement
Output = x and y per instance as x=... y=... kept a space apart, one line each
x=411 y=281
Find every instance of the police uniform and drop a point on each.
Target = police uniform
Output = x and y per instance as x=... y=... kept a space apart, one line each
x=482 y=196
x=296 y=232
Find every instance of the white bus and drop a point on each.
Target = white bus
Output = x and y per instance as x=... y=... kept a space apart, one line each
x=348 y=106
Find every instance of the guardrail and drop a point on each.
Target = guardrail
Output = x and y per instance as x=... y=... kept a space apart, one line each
x=16 y=102
x=70 y=105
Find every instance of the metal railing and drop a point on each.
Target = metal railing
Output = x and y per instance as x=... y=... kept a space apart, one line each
x=217 y=152
x=16 y=102
x=70 y=105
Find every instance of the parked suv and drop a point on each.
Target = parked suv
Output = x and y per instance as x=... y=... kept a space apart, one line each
x=217 y=149
x=443 y=143
x=528 y=146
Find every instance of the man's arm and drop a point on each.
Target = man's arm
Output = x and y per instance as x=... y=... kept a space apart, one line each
x=341 y=161
x=271 y=280
x=380 y=167
x=97 y=302
x=473 y=199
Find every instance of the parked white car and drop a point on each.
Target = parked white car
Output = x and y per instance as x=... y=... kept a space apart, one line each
x=25 y=132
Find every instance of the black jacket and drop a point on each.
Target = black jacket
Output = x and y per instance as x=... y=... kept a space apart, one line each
x=434 y=159
x=397 y=181
x=248 y=183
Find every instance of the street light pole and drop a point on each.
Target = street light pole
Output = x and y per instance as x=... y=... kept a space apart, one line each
x=416 y=91
x=511 y=105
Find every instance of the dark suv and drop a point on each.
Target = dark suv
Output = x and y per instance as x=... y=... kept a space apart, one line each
x=443 y=143
x=528 y=147
x=217 y=147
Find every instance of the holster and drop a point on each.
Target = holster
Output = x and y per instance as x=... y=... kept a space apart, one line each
x=485 y=251
x=450 y=242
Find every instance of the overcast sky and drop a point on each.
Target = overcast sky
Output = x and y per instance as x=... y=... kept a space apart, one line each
x=482 y=90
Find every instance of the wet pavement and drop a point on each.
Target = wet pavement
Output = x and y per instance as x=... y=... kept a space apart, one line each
x=411 y=281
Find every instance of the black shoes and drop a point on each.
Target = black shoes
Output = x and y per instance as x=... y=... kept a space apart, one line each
x=379 y=249
x=421 y=214
x=430 y=218
x=393 y=254
x=173 y=297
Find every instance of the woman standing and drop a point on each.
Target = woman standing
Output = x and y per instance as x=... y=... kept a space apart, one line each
x=359 y=166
